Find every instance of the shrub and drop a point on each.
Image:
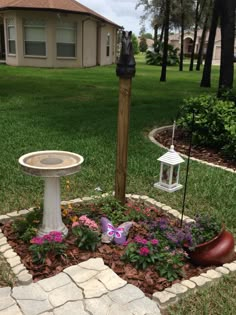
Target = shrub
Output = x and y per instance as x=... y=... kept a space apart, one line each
x=155 y=57
x=215 y=122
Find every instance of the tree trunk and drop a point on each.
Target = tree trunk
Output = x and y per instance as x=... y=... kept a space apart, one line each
x=166 y=38
x=206 y=76
x=162 y=32
x=227 y=17
x=181 y=57
x=200 y=52
x=194 y=36
x=155 y=35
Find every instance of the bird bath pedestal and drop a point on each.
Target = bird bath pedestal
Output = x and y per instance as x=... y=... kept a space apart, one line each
x=51 y=165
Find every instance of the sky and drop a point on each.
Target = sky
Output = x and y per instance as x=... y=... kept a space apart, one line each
x=121 y=12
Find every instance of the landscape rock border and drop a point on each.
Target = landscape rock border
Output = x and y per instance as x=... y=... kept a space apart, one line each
x=164 y=298
x=151 y=137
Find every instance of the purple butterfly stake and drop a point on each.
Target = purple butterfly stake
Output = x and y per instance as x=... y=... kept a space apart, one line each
x=111 y=233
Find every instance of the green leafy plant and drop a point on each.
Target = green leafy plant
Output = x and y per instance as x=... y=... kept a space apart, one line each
x=86 y=232
x=113 y=210
x=144 y=253
x=26 y=227
x=51 y=243
x=214 y=125
x=154 y=57
x=203 y=229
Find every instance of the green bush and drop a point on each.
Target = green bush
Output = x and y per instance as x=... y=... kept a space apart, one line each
x=215 y=123
x=155 y=57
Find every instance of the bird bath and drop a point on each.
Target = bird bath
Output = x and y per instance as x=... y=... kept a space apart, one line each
x=51 y=165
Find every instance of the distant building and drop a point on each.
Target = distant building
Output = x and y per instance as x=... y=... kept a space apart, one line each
x=149 y=42
x=188 y=42
x=55 y=33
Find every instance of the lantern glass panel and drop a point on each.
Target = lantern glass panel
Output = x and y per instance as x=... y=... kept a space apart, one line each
x=165 y=174
x=175 y=174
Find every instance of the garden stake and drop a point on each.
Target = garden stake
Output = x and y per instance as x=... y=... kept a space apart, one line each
x=187 y=170
x=125 y=70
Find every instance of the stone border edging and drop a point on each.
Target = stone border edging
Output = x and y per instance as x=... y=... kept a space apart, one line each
x=163 y=298
x=152 y=139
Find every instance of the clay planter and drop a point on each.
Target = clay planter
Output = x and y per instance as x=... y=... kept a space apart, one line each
x=218 y=251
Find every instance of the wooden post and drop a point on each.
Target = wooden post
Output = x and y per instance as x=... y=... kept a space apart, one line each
x=122 y=138
x=125 y=70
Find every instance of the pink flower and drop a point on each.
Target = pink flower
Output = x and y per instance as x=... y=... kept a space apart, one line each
x=125 y=243
x=144 y=251
x=154 y=241
x=74 y=224
x=88 y=222
x=140 y=240
x=37 y=240
x=48 y=237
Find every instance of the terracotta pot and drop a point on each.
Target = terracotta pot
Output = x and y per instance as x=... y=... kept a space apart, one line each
x=218 y=251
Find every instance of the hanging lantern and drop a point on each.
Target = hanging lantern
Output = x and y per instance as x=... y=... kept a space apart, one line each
x=169 y=172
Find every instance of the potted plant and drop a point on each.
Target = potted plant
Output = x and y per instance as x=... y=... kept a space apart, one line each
x=210 y=243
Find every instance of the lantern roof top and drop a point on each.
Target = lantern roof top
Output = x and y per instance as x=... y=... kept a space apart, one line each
x=171 y=157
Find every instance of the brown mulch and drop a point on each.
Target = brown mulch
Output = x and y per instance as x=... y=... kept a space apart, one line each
x=147 y=280
x=181 y=143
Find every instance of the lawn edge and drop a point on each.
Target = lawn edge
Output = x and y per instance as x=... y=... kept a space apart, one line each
x=153 y=140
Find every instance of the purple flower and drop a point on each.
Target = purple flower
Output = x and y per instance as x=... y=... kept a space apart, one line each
x=144 y=251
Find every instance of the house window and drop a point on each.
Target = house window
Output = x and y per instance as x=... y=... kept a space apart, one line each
x=108 y=44
x=35 y=37
x=66 y=40
x=11 y=36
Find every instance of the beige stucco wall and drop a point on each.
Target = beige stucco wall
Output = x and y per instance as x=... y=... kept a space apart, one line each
x=89 y=52
x=89 y=43
x=104 y=59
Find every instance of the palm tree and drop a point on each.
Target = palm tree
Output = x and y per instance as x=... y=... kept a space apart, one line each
x=227 y=18
x=166 y=39
x=206 y=76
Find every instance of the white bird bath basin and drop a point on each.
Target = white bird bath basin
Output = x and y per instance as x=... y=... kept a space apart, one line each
x=51 y=165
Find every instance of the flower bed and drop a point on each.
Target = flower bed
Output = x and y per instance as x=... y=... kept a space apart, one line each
x=151 y=258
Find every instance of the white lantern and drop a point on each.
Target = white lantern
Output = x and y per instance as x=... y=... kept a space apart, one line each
x=169 y=172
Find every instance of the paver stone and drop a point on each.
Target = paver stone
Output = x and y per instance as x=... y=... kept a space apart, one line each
x=98 y=306
x=71 y=308
x=126 y=294
x=94 y=264
x=79 y=274
x=93 y=288
x=69 y=292
x=54 y=282
x=144 y=306
x=111 y=280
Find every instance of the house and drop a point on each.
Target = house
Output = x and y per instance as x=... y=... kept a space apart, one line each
x=174 y=40
x=55 y=33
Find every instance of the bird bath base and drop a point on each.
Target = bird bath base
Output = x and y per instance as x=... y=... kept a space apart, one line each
x=51 y=165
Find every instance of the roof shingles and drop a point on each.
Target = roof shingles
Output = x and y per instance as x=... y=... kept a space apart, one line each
x=63 y=5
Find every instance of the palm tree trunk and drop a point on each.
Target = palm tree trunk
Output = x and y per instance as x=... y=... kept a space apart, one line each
x=206 y=76
x=162 y=32
x=166 y=38
x=200 y=52
x=155 y=34
x=227 y=16
x=194 y=36
x=181 y=57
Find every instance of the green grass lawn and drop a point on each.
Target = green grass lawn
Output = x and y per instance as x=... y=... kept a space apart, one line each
x=76 y=110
